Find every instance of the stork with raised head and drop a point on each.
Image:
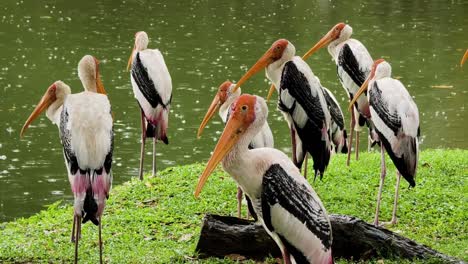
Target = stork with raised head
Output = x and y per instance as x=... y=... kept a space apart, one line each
x=285 y=203
x=300 y=99
x=152 y=87
x=86 y=132
x=223 y=101
x=353 y=64
x=464 y=58
x=396 y=119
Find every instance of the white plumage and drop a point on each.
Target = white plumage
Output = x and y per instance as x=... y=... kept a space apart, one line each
x=285 y=203
x=153 y=61
x=152 y=87
x=90 y=125
x=395 y=117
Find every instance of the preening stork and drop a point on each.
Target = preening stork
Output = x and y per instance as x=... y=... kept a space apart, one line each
x=86 y=132
x=152 y=87
x=285 y=203
x=353 y=63
x=223 y=101
x=300 y=99
x=465 y=57
x=396 y=119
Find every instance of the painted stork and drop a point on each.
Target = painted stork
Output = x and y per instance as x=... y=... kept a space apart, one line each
x=337 y=129
x=396 y=119
x=86 y=132
x=264 y=139
x=285 y=203
x=353 y=63
x=152 y=87
x=300 y=99
x=465 y=57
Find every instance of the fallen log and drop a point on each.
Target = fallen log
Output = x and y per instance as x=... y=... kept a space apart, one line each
x=353 y=239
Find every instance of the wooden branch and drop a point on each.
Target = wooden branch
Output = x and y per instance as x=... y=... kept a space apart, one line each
x=353 y=238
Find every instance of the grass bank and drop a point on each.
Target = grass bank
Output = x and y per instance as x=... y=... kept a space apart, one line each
x=158 y=220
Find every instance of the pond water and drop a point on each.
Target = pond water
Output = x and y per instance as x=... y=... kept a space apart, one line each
x=204 y=43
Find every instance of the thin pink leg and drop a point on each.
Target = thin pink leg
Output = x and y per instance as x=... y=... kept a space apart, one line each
x=154 y=156
x=100 y=241
x=239 y=202
x=143 y=139
x=350 y=143
x=305 y=165
x=73 y=228
x=395 y=203
x=78 y=234
x=293 y=142
x=357 y=145
x=382 y=178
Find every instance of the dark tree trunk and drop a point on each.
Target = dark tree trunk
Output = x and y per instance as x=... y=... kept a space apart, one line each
x=353 y=238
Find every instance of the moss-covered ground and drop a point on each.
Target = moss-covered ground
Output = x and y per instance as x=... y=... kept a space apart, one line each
x=158 y=220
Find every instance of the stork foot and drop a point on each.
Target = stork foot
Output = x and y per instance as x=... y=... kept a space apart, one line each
x=391 y=223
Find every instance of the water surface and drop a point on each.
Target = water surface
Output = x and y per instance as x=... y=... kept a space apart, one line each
x=204 y=43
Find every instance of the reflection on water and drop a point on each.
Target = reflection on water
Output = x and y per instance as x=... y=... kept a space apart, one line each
x=204 y=43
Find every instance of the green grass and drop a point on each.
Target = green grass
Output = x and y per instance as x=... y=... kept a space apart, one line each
x=158 y=220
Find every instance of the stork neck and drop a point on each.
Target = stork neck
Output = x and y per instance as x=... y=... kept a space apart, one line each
x=224 y=108
x=54 y=110
x=89 y=84
x=274 y=71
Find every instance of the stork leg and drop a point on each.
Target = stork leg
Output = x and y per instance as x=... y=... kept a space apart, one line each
x=350 y=143
x=248 y=209
x=382 y=178
x=305 y=166
x=286 y=256
x=100 y=241
x=293 y=142
x=73 y=229
x=154 y=156
x=239 y=201
x=395 y=203
x=357 y=145
x=78 y=233
x=143 y=139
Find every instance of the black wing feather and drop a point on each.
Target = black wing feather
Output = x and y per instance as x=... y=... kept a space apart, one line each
x=350 y=65
x=279 y=188
x=391 y=119
x=311 y=136
x=335 y=110
x=145 y=84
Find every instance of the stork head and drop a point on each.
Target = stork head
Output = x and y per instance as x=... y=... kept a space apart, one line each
x=248 y=115
x=465 y=57
x=339 y=31
x=54 y=96
x=282 y=50
x=141 y=43
x=380 y=69
x=223 y=94
x=88 y=72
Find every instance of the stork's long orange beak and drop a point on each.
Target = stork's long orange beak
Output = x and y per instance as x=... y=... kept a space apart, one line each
x=231 y=134
x=465 y=57
x=130 y=60
x=261 y=64
x=47 y=99
x=270 y=92
x=359 y=92
x=322 y=42
x=209 y=114
x=365 y=85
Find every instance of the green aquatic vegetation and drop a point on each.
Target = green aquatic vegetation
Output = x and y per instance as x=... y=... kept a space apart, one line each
x=158 y=220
